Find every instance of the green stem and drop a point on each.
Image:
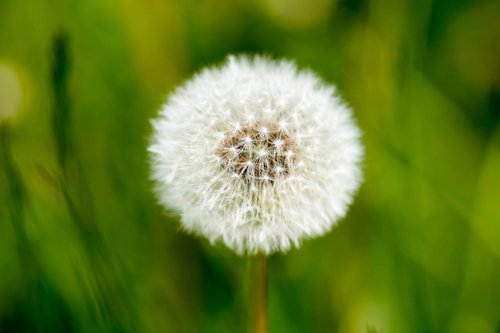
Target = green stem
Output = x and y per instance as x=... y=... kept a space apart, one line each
x=258 y=294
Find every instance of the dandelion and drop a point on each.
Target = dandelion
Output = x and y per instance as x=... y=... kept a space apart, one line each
x=256 y=154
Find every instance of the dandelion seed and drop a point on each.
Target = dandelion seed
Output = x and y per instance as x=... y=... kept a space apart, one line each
x=264 y=180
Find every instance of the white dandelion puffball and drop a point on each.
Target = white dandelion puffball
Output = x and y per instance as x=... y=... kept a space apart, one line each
x=256 y=154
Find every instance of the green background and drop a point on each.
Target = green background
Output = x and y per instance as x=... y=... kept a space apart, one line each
x=84 y=247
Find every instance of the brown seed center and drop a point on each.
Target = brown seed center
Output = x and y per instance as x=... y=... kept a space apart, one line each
x=258 y=153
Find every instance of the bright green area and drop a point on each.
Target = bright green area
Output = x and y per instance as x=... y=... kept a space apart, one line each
x=85 y=248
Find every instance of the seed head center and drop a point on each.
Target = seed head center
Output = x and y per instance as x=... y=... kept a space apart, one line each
x=257 y=153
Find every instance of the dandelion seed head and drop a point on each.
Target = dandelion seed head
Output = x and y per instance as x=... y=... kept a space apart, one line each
x=256 y=154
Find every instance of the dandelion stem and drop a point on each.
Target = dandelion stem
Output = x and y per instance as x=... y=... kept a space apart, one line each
x=258 y=294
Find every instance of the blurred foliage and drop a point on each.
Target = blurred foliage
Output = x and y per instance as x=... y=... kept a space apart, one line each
x=85 y=248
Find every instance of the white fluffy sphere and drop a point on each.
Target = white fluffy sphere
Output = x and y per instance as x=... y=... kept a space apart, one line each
x=256 y=154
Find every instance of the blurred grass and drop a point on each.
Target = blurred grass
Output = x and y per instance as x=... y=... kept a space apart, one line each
x=85 y=248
